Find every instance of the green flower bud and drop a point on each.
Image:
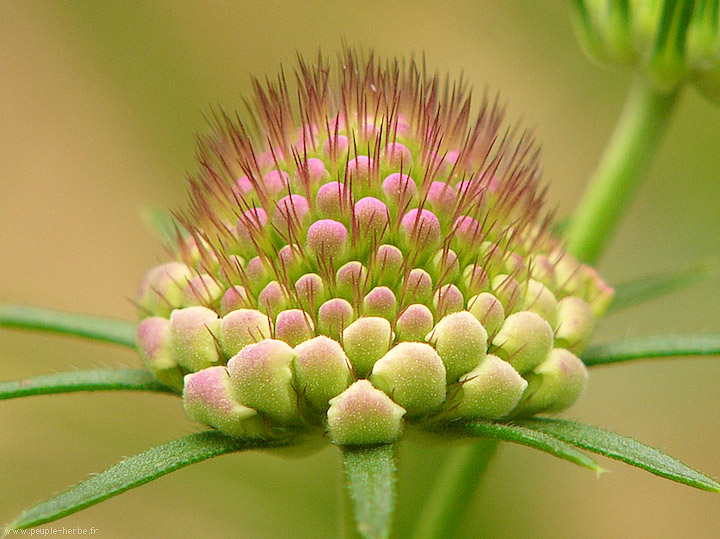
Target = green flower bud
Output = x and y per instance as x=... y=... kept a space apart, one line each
x=524 y=341
x=576 y=323
x=508 y=291
x=242 y=327
x=363 y=415
x=365 y=341
x=322 y=370
x=380 y=302
x=414 y=323
x=208 y=398
x=488 y=310
x=413 y=374
x=334 y=316
x=491 y=390
x=193 y=338
x=261 y=377
x=538 y=299
x=153 y=342
x=294 y=326
x=555 y=384
x=461 y=342
x=162 y=288
x=203 y=290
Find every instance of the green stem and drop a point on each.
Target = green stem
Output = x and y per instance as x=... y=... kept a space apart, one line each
x=622 y=166
x=81 y=325
x=454 y=490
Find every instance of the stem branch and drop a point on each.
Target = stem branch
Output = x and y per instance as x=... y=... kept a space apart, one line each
x=622 y=166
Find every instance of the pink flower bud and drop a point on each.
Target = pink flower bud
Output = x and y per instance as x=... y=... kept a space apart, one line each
x=461 y=342
x=365 y=341
x=322 y=370
x=194 y=333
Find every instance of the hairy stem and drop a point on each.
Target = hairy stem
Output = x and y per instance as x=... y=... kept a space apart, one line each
x=622 y=166
x=454 y=490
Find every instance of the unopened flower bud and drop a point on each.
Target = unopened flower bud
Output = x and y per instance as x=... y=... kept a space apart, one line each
x=538 y=299
x=322 y=370
x=194 y=333
x=208 y=398
x=242 y=327
x=294 y=326
x=414 y=323
x=153 y=342
x=508 y=291
x=380 y=301
x=524 y=340
x=162 y=288
x=261 y=377
x=364 y=415
x=490 y=391
x=203 y=290
x=365 y=341
x=461 y=342
x=576 y=323
x=413 y=374
x=555 y=384
x=488 y=310
x=235 y=297
x=334 y=316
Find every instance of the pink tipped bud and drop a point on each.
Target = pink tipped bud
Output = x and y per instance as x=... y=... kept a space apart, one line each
x=350 y=279
x=208 y=398
x=313 y=170
x=576 y=323
x=275 y=182
x=414 y=323
x=360 y=168
x=542 y=270
x=251 y=223
x=202 y=289
x=289 y=213
x=310 y=291
x=257 y=271
x=461 y=342
x=491 y=390
x=363 y=415
x=422 y=228
x=335 y=146
x=418 y=286
x=468 y=231
x=294 y=326
x=333 y=200
x=242 y=327
x=272 y=299
x=261 y=377
x=365 y=341
x=388 y=264
x=400 y=189
x=327 y=239
x=380 y=302
x=397 y=155
x=539 y=299
x=448 y=299
x=555 y=384
x=162 y=287
x=372 y=217
x=488 y=310
x=235 y=297
x=153 y=343
x=445 y=265
x=334 y=316
x=193 y=337
x=524 y=341
x=322 y=371
x=413 y=374
x=442 y=198
x=508 y=291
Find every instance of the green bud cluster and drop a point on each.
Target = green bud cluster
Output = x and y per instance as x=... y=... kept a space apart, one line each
x=371 y=260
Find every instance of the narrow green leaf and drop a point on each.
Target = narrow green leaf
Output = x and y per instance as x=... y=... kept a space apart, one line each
x=82 y=325
x=89 y=380
x=519 y=434
x=653 y=286
x=135 y=471
x=653 y=347
x=370 y=483
x=615 y=446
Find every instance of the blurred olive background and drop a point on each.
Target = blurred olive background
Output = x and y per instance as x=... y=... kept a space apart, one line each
x=98 y=105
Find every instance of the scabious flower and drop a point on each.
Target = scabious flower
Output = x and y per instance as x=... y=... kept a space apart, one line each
x=366 y=254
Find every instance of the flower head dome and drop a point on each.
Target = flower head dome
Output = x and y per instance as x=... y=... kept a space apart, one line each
x=362 y=253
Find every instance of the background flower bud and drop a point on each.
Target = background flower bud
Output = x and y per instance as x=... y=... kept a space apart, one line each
x=575 y=324
x=153 y=342
x=488 y=310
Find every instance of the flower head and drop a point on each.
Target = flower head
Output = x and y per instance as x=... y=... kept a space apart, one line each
x=367 y=241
